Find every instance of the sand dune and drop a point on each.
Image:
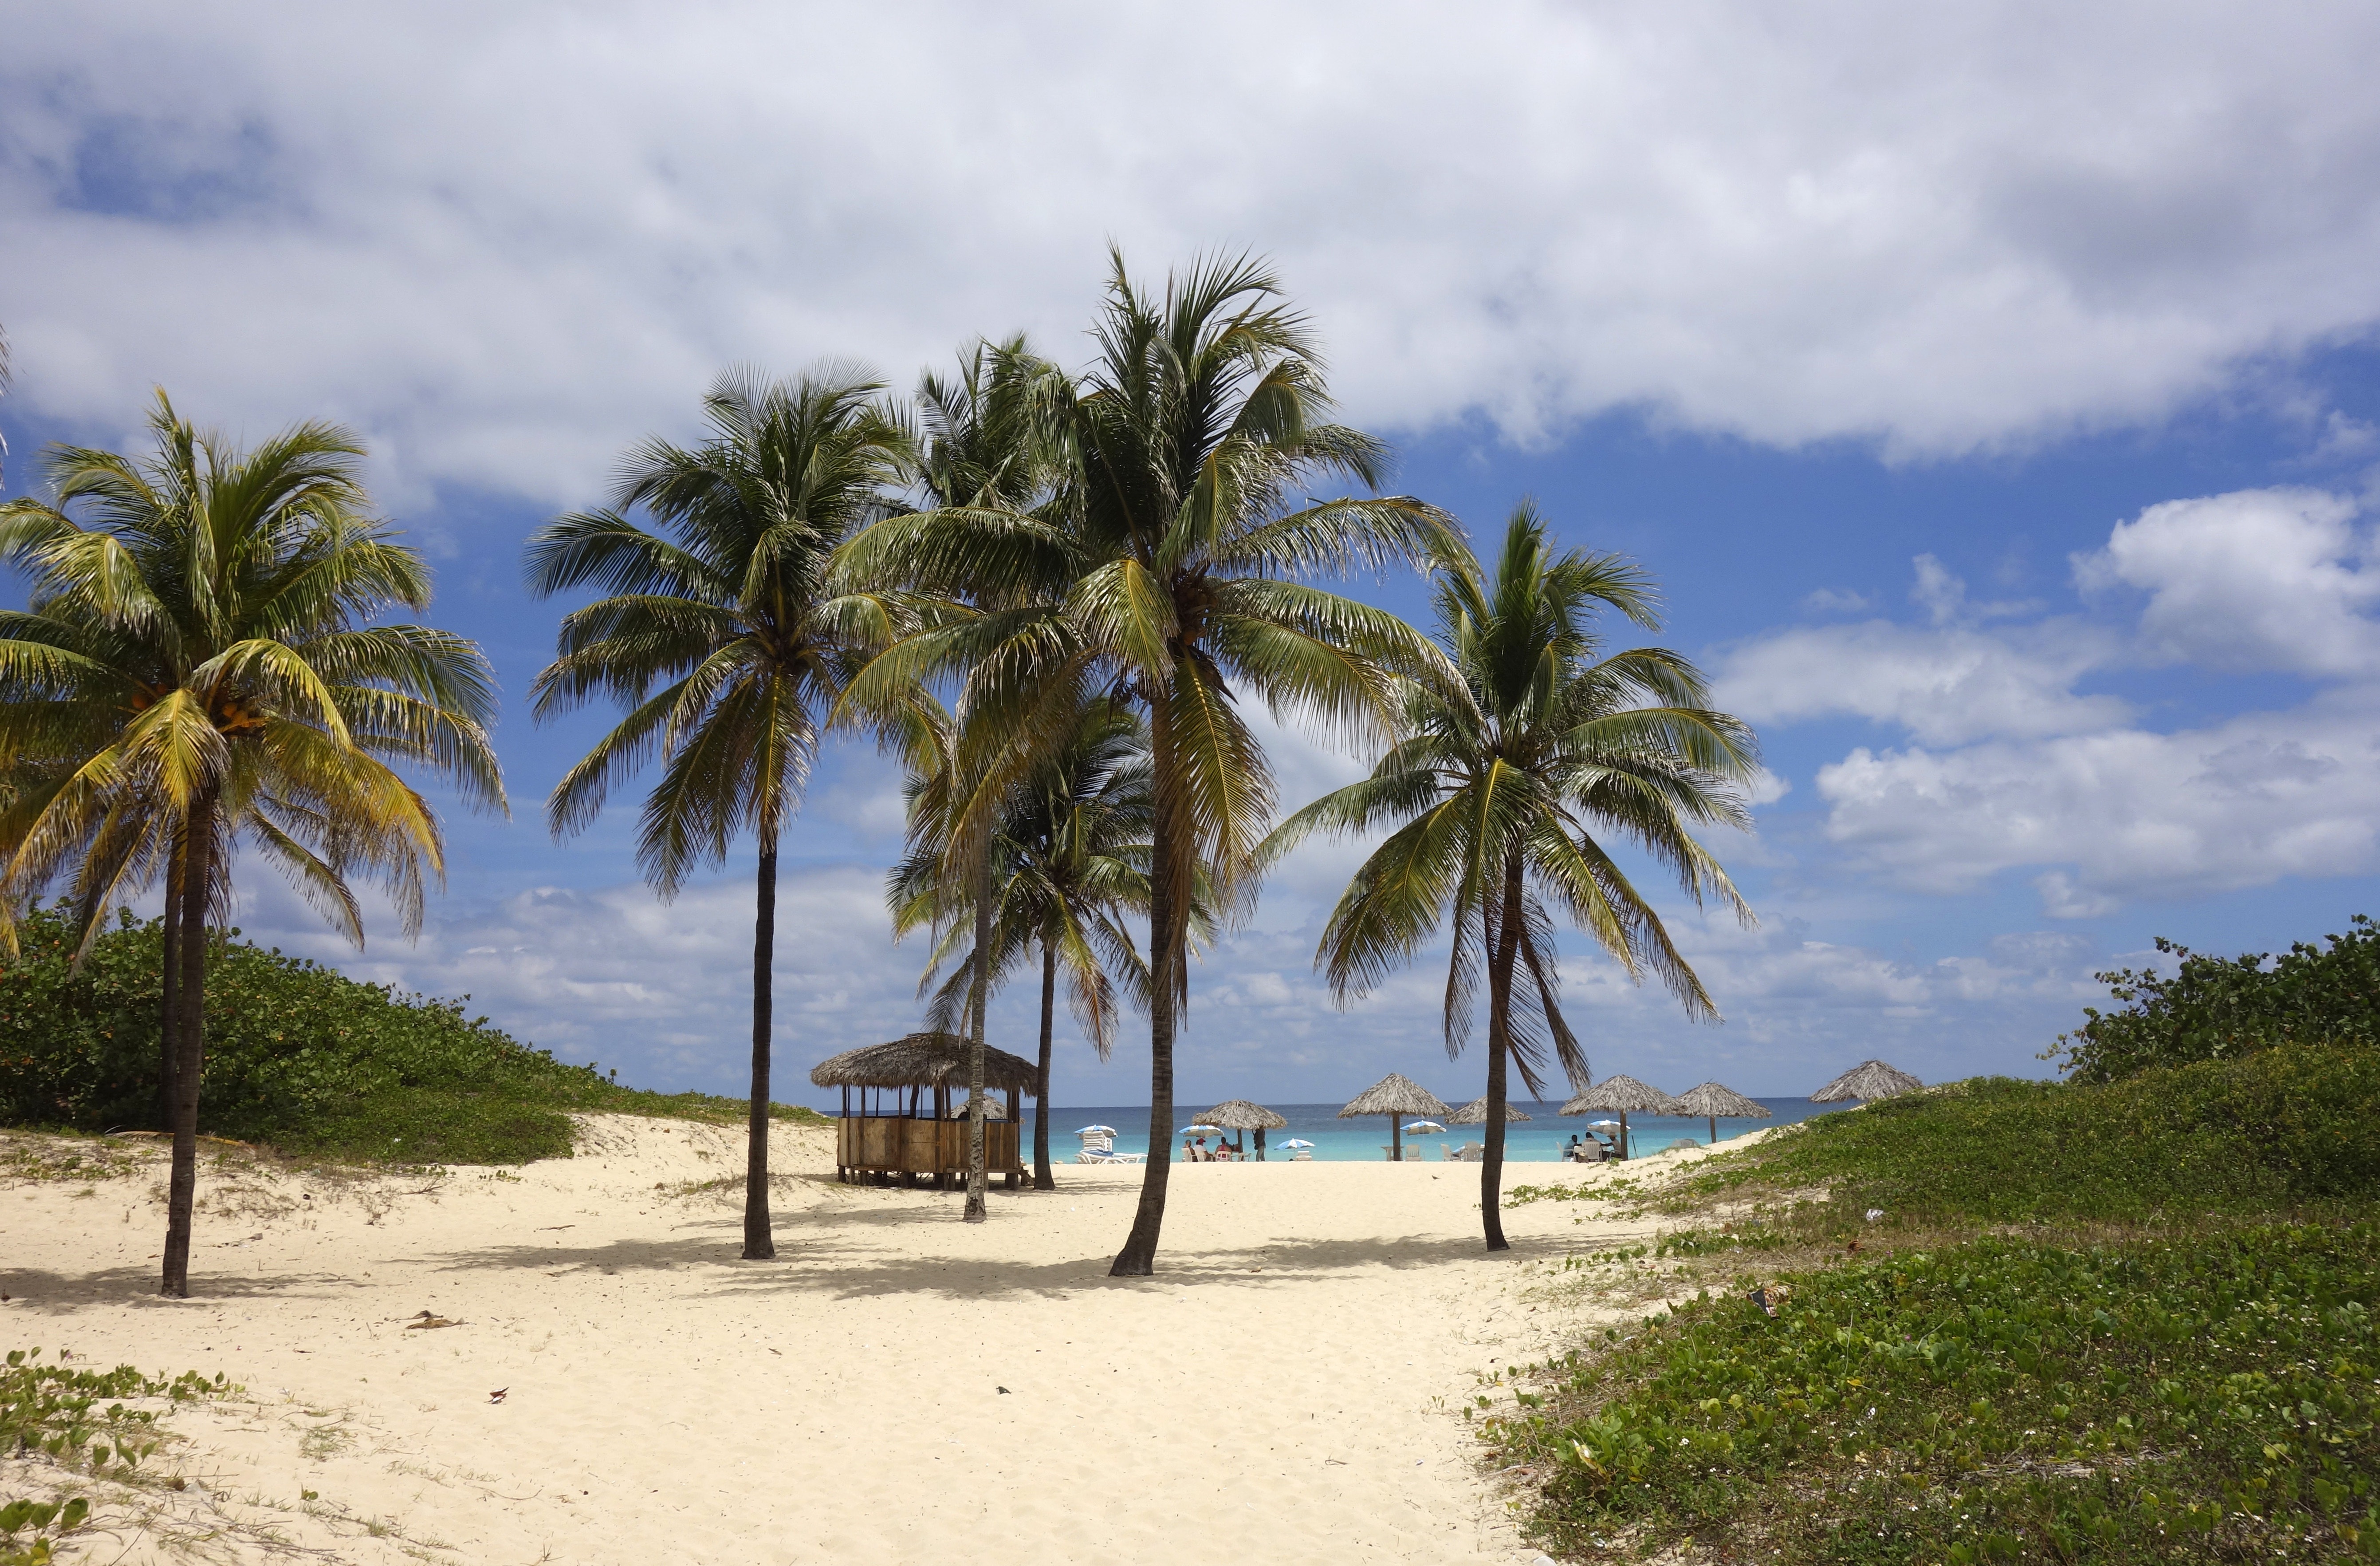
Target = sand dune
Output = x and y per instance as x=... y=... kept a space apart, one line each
x=897 y=1386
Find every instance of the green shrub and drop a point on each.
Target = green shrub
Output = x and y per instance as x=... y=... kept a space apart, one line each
x=2287 y=1127
x=2213 y=1010
x=2192 y=1398
x=299 y=1056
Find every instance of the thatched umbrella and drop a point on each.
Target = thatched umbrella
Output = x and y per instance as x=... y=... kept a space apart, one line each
x=1396 y=1095
x=1712 y=1100
x=1868 y=1080
x=1475 y=1114
x=1241 y=1115
x=1622 y=1093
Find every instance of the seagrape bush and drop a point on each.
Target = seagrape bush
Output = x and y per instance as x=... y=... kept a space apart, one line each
x=2194 y=1397
x=2212 y=1009
x=297 y=1055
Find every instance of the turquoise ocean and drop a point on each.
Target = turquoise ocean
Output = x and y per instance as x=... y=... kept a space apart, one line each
x=1536 y=1140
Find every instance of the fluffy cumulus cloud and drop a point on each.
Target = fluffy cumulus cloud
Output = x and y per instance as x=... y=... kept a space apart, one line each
x=2265 y=579
x=2009 y=767
x=504 y=240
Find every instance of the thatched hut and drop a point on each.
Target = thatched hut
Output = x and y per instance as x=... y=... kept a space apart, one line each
x=1475 y=1114
x=1241 y=1115
x=1714 y=1100
x=1396 y=1095
x=1622 y=1095
x=882 y=1136
x=1866 y=1082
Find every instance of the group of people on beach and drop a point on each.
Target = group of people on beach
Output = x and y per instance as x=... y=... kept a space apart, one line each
x=1197 y=1152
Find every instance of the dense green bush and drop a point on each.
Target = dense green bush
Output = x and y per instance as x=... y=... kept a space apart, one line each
x=299 y=1056
x=2189 y=1398
x=2211 y=1010
x=2283 y=1128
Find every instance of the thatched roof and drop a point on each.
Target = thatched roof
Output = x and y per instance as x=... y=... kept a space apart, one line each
x=1623 y=1092
x=1712 y=1098
x=1241 y=1115
x=1475 y=1114
x=1396 y=1094
x=928 y=1059
x=1867 y=1080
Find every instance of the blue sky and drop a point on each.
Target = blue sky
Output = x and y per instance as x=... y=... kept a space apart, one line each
x=1994 y=396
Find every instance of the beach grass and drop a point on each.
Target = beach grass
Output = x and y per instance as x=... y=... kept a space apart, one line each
x=1998 y=1320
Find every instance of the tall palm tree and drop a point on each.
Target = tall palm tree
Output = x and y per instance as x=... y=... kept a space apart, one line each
x=198 y=668
x=726 y=609
x=1162 y=575
x=988 y=447
x=1069 y=862
x=1514 y=775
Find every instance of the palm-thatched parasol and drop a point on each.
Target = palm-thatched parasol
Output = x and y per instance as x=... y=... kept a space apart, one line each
x=1622 y=1093
x=1867 y=1082
x=1241 y=1115
x=1712 y=1100
x=1475 y=1114
x=1395 y=1095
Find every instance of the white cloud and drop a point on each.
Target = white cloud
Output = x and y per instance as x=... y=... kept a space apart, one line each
x=1836 y=601
x=2012 y=768
x=2239 y=804
x=2257 y=578
x=1944 y=686
x=506 y=240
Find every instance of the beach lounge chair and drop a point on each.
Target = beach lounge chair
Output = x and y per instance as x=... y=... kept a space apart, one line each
x=1302 y=1155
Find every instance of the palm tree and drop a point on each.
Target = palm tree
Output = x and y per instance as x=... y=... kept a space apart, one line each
x=1069 y=861
x=989 y=447
x=1512 y=773
x=197 y=669
x=1160 y=575
x=724 y=609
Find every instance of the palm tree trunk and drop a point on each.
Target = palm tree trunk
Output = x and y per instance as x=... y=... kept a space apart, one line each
x=1138 y=1257
x=1499 y=1034
x=979 y=1206
x=168 y=1035
x=759 y=1245
x=182 y=1187
x=1041 y=1177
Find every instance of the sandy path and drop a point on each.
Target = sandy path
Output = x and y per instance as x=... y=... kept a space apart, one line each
x=1288 y=1384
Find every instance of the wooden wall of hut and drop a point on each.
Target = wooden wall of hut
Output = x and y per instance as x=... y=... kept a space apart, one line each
x=909 y=1146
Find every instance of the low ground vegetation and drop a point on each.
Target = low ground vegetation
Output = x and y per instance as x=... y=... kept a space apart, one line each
x=298 y=1057
x=54 y=1427
x=1994 y=1321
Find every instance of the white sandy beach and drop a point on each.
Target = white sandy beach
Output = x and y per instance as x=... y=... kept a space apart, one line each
x=896 y=1386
